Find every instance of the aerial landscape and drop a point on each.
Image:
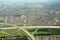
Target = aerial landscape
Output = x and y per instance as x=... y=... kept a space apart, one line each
x=29 y=19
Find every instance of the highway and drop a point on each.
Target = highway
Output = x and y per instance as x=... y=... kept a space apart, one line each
x=30 y=27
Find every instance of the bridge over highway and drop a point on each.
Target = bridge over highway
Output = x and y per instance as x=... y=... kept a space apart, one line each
x=23 y=28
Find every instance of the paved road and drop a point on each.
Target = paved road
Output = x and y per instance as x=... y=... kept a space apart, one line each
x=30 y=27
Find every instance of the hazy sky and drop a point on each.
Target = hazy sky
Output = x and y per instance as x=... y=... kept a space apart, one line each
x=30 y=1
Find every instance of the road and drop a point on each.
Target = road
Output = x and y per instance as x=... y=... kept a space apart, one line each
x=30 y=27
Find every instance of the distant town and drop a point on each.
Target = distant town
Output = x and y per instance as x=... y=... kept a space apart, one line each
x=33 y=14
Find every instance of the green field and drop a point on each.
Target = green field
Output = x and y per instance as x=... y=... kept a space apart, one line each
x=16 y=32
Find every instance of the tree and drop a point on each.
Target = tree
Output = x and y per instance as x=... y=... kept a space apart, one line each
x=55 y=20
x=1 y=20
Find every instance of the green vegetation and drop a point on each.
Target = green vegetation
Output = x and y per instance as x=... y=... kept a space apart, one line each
x=15 y=32
x=5 y=25
x=4 y=35
x=18 y=15
x=22 y=24
x=1 y=20
x=56 y=19
x=22 y=38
